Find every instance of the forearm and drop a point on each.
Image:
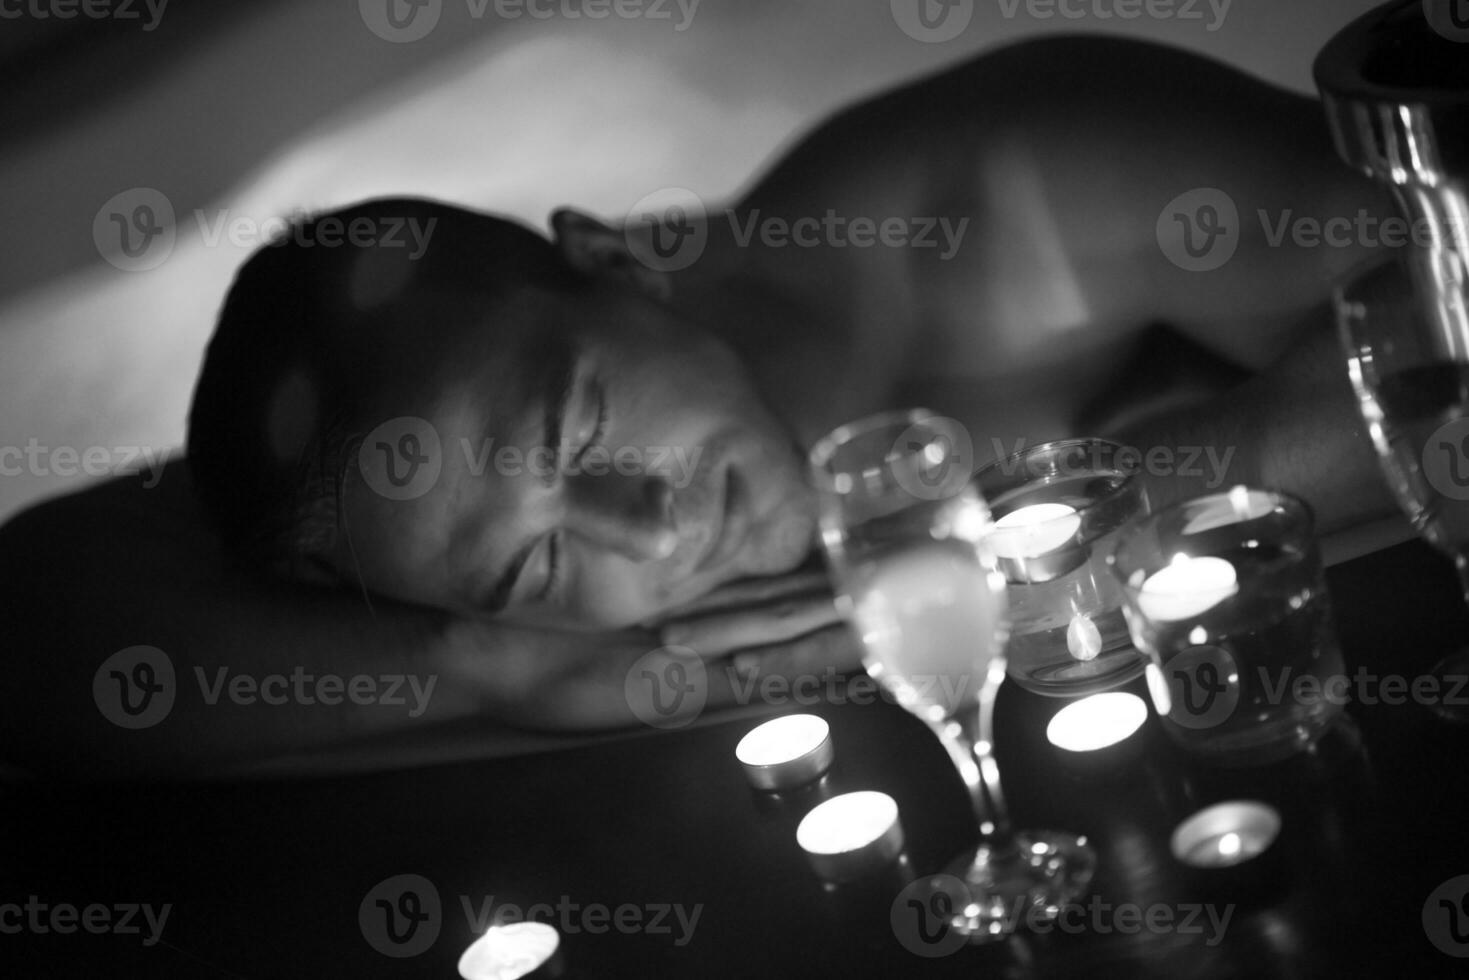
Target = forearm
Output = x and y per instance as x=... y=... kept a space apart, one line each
x=1294 y=427
x=273 y=678
x=265 y=677
x=261 y=682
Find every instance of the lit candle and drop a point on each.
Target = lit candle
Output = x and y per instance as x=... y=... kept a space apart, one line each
x=1226 y=834
x=785 y=752
x=851 y=835
x=1239 y=505
x=1033 y=531
x=1096 y=722
x=509 y=952
x=1187 y=588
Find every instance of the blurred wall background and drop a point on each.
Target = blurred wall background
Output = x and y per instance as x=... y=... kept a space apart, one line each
x=230 y=115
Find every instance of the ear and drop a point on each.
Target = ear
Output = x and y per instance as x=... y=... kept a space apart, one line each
x=597 y=249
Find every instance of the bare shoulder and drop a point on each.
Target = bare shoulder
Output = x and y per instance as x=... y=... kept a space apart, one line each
x=1051 y=76
x=1073 y=104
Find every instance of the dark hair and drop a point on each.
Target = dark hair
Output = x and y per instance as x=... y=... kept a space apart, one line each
x=291 y=369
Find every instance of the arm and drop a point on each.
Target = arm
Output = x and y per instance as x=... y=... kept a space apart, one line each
x=1294 y=426
x=119 y=565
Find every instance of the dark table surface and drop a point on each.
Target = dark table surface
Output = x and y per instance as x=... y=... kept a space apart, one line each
x=266 y=879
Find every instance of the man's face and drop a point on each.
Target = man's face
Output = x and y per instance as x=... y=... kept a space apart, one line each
x=600 y=461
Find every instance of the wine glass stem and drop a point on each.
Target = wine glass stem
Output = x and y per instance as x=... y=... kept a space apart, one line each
x=974 y=756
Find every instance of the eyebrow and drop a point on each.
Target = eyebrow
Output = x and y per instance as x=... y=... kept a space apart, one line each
x=558 y=384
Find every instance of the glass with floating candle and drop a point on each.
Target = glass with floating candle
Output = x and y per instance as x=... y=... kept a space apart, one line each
x=904 y=530
x=1058 y=509
x=1226 y=595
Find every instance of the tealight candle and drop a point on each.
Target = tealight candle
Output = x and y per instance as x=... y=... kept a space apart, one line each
x=509 y=952
x=1226 y=834
x=1096 y=722
x=1187 y=588
x=1239 y=505
x=1030 y=532
x=851 y=835
x=785 y=752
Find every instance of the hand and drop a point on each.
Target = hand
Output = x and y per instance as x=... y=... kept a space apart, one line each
x=753 y=613
x=787 y=625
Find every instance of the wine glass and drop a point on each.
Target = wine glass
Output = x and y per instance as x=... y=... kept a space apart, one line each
x=903 y=528
x=1410 y=369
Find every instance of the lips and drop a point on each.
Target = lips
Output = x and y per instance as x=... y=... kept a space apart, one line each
x=734 y=522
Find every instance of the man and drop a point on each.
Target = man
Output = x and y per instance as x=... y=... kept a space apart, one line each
x=347 y=510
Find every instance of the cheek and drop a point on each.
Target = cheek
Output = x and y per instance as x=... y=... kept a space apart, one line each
x=614 y=593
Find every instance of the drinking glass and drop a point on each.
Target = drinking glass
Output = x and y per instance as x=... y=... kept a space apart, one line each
x=904 y=530
x=1226 y=594
x=1410 y=368
x=1058 y=509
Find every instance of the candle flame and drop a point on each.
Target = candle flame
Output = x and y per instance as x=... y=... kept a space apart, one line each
x=1083 y=638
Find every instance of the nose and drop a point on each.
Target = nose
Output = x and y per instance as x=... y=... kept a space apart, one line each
x=632 y=515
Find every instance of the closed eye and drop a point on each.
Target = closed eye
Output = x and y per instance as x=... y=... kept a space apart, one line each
x=599 y=430
x=552 y=586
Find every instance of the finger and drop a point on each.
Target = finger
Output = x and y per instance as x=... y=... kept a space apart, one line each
x=720 y=633
x=755 y=591
x=833 y=648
